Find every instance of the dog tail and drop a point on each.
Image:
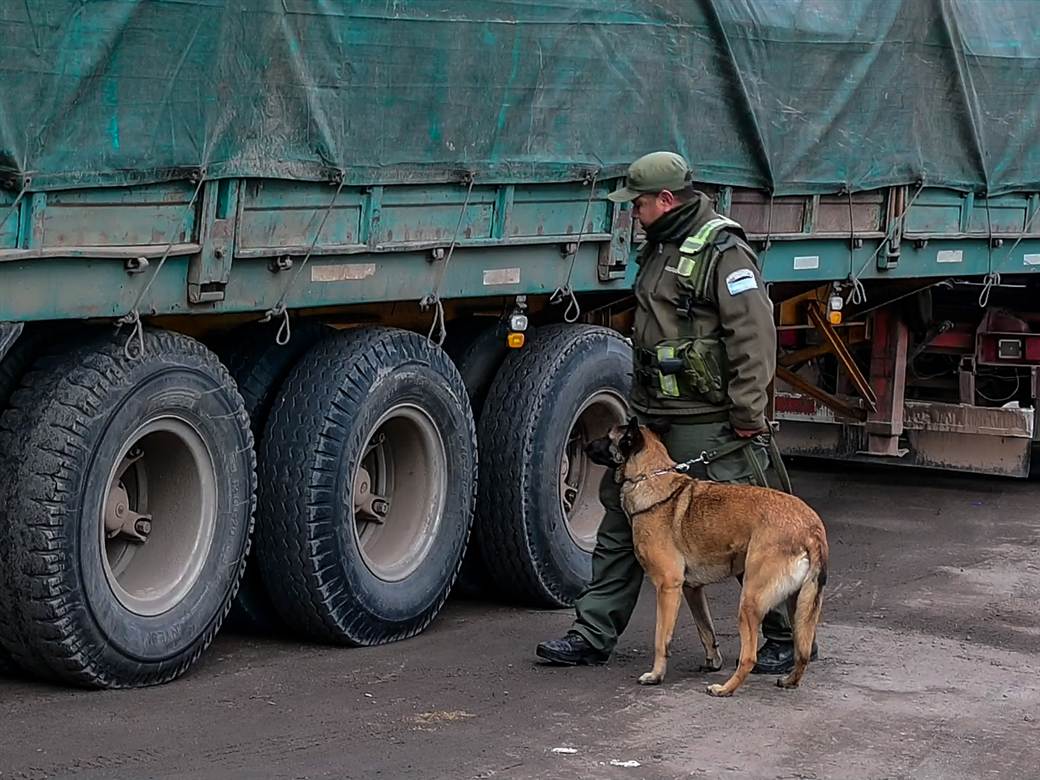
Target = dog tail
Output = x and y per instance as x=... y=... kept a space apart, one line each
x=808 y=603
x=821 y=580
x=819 y=557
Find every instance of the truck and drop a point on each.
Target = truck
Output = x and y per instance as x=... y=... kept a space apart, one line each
x=309 y=309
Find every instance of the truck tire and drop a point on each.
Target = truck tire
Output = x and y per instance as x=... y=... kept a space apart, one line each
x=259 y=366
x=539 y=505
x=477 y=345
x=34 y=341
x=13 y=366
x=368 y=477
x=129 y=507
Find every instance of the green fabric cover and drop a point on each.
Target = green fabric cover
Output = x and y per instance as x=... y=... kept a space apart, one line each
x=797 y=96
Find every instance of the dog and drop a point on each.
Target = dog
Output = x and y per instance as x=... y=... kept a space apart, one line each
x=689 y=533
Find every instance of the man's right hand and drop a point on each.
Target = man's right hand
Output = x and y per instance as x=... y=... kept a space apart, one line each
x=748 y=434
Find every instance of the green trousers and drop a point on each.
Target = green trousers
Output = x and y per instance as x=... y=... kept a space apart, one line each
x=606 y=604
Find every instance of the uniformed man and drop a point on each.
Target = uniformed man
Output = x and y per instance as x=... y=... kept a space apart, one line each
x=705 y=352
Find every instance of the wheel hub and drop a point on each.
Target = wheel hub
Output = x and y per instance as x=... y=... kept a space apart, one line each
x=158 y=519
x=121 y=520
x=579 y=476
x=399 y=490
x=368 y=505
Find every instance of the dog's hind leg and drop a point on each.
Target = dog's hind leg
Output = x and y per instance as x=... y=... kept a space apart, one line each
x=809 y=603
x=749 y=617
x=697 y=600
x=667 y=584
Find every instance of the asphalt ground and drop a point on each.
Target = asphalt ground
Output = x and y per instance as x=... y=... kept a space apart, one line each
x=928 y=669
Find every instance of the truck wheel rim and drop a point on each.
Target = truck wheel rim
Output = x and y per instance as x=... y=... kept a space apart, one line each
x=579 y=476
x=399 y=492
x=159 y=516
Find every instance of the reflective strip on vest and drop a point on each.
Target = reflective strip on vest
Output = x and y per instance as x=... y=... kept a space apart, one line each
x=669 y=383
x=686 y=265
x=695 y=243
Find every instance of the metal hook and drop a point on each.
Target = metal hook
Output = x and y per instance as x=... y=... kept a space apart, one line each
x=573 y=306
x=136 y=335
x=284 y=330
x=992 y=280
x=438 y=319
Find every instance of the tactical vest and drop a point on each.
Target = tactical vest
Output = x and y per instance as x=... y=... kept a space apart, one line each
x=696 y=267
x=689 y=367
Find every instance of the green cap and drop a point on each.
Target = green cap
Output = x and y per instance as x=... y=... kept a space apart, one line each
x=653 y=172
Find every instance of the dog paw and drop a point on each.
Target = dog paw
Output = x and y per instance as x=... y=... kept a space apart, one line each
x=711 y=664
x=782 y=682
x=718 y=690
x=650 y=678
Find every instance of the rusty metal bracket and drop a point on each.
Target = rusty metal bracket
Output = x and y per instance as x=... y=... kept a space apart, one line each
x=136 y=265
x=832 y=402
x=614 y=255
x=841 y=351
x=279 y=264
x=799 y=357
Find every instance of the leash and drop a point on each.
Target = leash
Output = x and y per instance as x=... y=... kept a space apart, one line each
x=709 y=456
x=678 y=468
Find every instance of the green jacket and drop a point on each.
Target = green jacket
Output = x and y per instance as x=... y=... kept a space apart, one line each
x=733 y=309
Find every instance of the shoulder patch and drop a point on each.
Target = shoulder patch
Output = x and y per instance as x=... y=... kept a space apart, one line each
x=741 y=281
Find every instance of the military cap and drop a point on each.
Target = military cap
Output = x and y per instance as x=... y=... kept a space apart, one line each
x=653 y=172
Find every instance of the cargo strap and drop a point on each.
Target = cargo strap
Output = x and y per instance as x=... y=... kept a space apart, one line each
x=565 y=290
x=133 y=317
x=993 y=278
x=858 y=295
x=17 y=201
x=279 y=309
x=433 y=298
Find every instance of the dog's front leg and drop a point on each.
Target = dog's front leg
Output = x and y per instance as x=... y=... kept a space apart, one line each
x=668 y=600
x=697 y=600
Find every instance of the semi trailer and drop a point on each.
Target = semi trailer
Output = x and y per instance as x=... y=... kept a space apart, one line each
x=308 y=309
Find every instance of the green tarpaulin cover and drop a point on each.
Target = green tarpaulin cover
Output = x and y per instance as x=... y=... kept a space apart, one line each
x=796 y=96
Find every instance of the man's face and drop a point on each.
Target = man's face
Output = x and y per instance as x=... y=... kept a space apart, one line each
x=650 y=207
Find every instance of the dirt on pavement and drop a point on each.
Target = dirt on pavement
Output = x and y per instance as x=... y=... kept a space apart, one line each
x=929 y=668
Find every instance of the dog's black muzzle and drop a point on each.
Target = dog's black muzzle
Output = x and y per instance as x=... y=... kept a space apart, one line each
x=602 y=453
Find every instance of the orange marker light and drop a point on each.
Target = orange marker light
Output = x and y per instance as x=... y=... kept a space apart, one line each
x=834 y=317
x=515 y=340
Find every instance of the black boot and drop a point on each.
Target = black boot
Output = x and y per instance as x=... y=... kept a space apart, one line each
x=776 y=657
x=572 y=650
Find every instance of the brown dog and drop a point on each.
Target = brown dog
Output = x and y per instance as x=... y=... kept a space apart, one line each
x=689 y=533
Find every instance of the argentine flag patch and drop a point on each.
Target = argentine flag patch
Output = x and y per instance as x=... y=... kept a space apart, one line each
x=741 y=281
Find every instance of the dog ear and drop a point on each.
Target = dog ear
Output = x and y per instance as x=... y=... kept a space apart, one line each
x=632 y=440
x=660 y=426
x=638 y=442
